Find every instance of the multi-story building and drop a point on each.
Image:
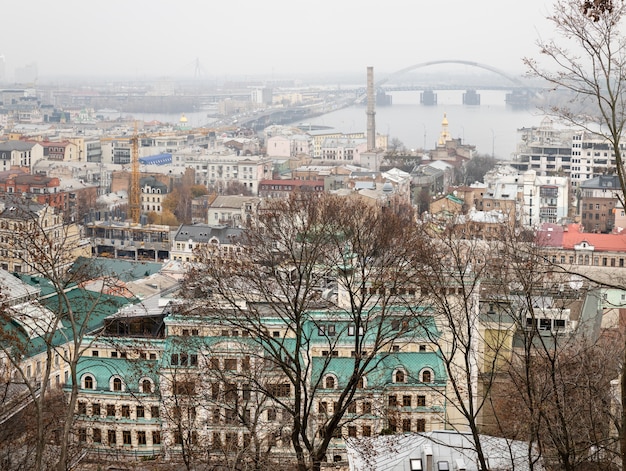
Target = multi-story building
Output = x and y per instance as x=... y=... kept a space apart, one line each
x=220 y=171
x=343 y=149
x=283 y=188
x=20 y=219
x=16 y=153
x=288 y=146
x=598 y=202
x=571 y=245
x=157 y=381
x=190 y=238
x=538 y=199
x=60 y=151
x=153 y=192
x=233 y=211
x=544 y=149
x=592 y=156
x=319 y=136
x=118 y=239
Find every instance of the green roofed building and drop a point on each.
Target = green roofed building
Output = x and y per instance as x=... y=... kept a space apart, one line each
x=159 y=382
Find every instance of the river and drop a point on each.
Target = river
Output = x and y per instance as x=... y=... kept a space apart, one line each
x=491 y=126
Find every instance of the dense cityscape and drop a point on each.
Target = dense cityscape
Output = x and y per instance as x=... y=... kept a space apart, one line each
x=256 y=274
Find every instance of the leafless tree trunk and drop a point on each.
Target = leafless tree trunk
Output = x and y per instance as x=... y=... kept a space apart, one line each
x=589 y=60
x=310 y=253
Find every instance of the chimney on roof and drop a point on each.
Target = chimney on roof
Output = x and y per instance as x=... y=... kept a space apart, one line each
x=371 y=112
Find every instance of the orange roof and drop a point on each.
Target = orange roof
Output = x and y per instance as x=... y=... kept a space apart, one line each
x=574 y=235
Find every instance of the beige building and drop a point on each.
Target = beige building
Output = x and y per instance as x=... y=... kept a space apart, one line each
x=42 y=225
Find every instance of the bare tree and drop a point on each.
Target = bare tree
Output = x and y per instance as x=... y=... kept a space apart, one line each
x=38 y=341
x=589 y=60
x=315 y=275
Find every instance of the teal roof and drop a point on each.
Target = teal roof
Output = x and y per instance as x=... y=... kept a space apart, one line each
x=124 y=270
x=45 y=285
x=84 y=303
x=131 y=371
x=455 y=199
x=382 y=367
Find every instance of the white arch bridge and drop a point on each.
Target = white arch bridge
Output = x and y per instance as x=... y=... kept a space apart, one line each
x=520 y=93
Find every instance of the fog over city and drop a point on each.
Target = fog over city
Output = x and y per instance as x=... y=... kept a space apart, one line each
x=242 y=38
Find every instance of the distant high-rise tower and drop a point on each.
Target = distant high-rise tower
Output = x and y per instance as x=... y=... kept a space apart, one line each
x=371 y=112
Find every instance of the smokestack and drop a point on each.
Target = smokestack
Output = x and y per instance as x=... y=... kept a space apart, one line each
x=371 y=113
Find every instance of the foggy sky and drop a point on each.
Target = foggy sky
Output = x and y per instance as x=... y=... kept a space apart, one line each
x=236 y=39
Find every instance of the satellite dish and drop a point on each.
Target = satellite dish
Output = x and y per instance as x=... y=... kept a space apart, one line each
x=575 y=282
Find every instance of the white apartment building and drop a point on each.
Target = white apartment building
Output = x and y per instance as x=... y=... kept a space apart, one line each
x=288 y=146
x=343 y=149
x=592 y=155
x=538 y=199
x=221 y=170
x=545 y=149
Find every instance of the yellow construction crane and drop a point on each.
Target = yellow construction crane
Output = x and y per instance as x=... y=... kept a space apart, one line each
x=135 y=191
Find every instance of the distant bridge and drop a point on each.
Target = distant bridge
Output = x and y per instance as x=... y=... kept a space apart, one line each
x=517 y=86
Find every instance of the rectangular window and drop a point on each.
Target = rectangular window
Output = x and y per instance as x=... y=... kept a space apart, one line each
x=141 y=438
x=156 y=437
x=393 y=401
x=126 y=437
x=111 y=437
x=126 y=411
x=95 y=408
x=406 y=401
x=421 y=401
x=367 y=407
x=82 y=435
x=140 y=412
x=97 y=435
x=279 y=390
x=94 y=353
x=154 y=411
x=110 y=410
x=367 y=431
x=352 y=431
x=82 y=408
x=406 y=425
x=421 y=425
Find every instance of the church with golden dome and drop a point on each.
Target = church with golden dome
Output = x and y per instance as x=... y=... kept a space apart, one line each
x=449 y=149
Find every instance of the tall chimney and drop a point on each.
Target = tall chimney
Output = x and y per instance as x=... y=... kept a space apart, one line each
x=371 y=113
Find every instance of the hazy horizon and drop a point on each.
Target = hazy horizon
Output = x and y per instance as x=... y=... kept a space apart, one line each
x=272 y=40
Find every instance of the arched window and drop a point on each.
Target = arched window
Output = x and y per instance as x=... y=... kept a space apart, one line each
x=146 y=386
x=399 y=376
x=330 y=382
x=88 y=382
x=426 y=376
x=117 y=384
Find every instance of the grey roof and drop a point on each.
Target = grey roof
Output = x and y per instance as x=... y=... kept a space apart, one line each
x=16 y=145
x=204 y=233
x=233 y=201
x=602 y=181
x=394 y=452
x=15 y=290
x=153 y=183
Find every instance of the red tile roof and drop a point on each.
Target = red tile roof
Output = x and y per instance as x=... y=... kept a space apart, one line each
x=574 y=235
